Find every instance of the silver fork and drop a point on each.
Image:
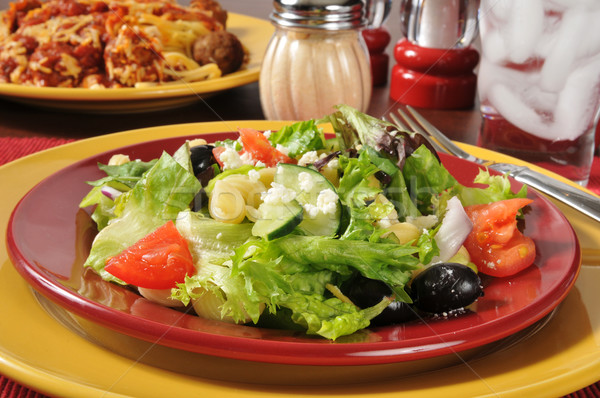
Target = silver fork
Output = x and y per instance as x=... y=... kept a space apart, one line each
x=586 y=203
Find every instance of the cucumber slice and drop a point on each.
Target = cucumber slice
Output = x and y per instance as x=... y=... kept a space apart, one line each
x=309 y=184
x=277 y=220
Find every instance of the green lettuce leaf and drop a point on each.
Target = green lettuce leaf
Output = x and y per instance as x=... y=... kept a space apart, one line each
x=426 y=178
x=354 y=186
x=498 y=188
x=396 y=190
x=299 y=138
x=354 y=129
x=120 y=177
x=293 y=272
x=129 y=171
x=163 y=191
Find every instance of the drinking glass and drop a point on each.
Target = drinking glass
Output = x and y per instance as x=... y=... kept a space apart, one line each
x=539 y=82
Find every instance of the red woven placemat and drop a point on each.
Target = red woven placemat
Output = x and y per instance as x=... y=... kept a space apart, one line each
x=12 y=148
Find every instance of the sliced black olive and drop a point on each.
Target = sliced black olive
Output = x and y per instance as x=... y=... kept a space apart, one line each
x=383 y=177
x=205 y=176
x=202 y=157
x=365 y=292
x=445 y=287
x=200 y=200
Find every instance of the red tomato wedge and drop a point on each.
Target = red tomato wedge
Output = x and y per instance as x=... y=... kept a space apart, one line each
x=157 y=261
x=495 y=244
x=260 y=148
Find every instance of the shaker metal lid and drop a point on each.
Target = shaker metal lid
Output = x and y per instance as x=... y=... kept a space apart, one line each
x=319 y=14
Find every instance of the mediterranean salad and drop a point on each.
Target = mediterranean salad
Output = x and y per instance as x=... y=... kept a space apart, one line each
x=296 y=229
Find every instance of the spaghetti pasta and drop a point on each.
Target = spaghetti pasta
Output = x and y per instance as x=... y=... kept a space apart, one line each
x=106 y=43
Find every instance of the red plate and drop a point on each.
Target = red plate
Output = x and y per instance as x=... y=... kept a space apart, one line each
x=49 y=237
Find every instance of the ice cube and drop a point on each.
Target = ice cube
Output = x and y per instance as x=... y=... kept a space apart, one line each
x=591 y=44
x=490 y=74
x=494 y=47
x=485 y=78
x=561 y=5
x=496 y=9
x=516 y=111
x=549 y=37
x=540 y=100
x=525 y=26
x=579 y=101
x=558 y=65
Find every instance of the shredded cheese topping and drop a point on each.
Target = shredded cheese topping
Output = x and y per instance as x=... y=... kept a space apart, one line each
x=122 y=43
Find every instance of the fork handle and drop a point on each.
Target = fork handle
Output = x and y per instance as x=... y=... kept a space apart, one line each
x=574 y=197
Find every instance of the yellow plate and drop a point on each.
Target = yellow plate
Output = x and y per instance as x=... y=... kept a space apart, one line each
x=254 y=33
x=40 y=352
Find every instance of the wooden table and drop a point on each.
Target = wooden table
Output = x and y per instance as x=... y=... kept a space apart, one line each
x=240 y=103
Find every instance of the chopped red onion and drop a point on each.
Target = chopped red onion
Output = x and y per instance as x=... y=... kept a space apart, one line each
x=110 y=192
x=455 y=228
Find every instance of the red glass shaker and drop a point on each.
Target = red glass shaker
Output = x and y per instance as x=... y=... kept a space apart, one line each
x=434 y=61
x=377 y=38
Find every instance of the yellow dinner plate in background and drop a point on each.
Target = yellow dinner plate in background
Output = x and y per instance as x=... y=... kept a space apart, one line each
x=254 y=34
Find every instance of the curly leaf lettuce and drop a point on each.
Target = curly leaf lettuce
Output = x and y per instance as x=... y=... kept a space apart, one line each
x=498 y=188
x=293 y=272
x=161 y=193
x=299 y=138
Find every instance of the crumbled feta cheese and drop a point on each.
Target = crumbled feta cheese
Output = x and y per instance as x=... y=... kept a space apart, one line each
x=306 y=181
x=326 y=204
x=327 y=201
x=278 y=194
x=267 y=133
x=246 y=158
x=282 y=149
x=233 y=160
x=334 y=163
x=253 y=175
x=230 y=159
x=311 y=210
x=308 y=158
x=260 y=164
x=384 y=223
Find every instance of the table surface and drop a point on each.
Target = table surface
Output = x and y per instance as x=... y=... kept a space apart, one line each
x=241 y=103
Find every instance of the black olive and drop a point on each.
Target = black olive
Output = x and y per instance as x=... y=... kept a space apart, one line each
x=395 y=312
x=200 y=200
x=365 y=292
x=445 y=287
x=205 y=176
x=202 y=157
x=383 y=177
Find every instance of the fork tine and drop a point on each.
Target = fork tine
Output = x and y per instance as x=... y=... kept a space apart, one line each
x=407 y=124
x=399 y=122
x=429 y=129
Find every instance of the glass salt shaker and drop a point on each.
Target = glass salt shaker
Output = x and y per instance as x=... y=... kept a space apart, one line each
x=316 y=59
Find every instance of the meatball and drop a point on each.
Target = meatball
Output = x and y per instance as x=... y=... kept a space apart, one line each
x=222 y=48
x=213 y=8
